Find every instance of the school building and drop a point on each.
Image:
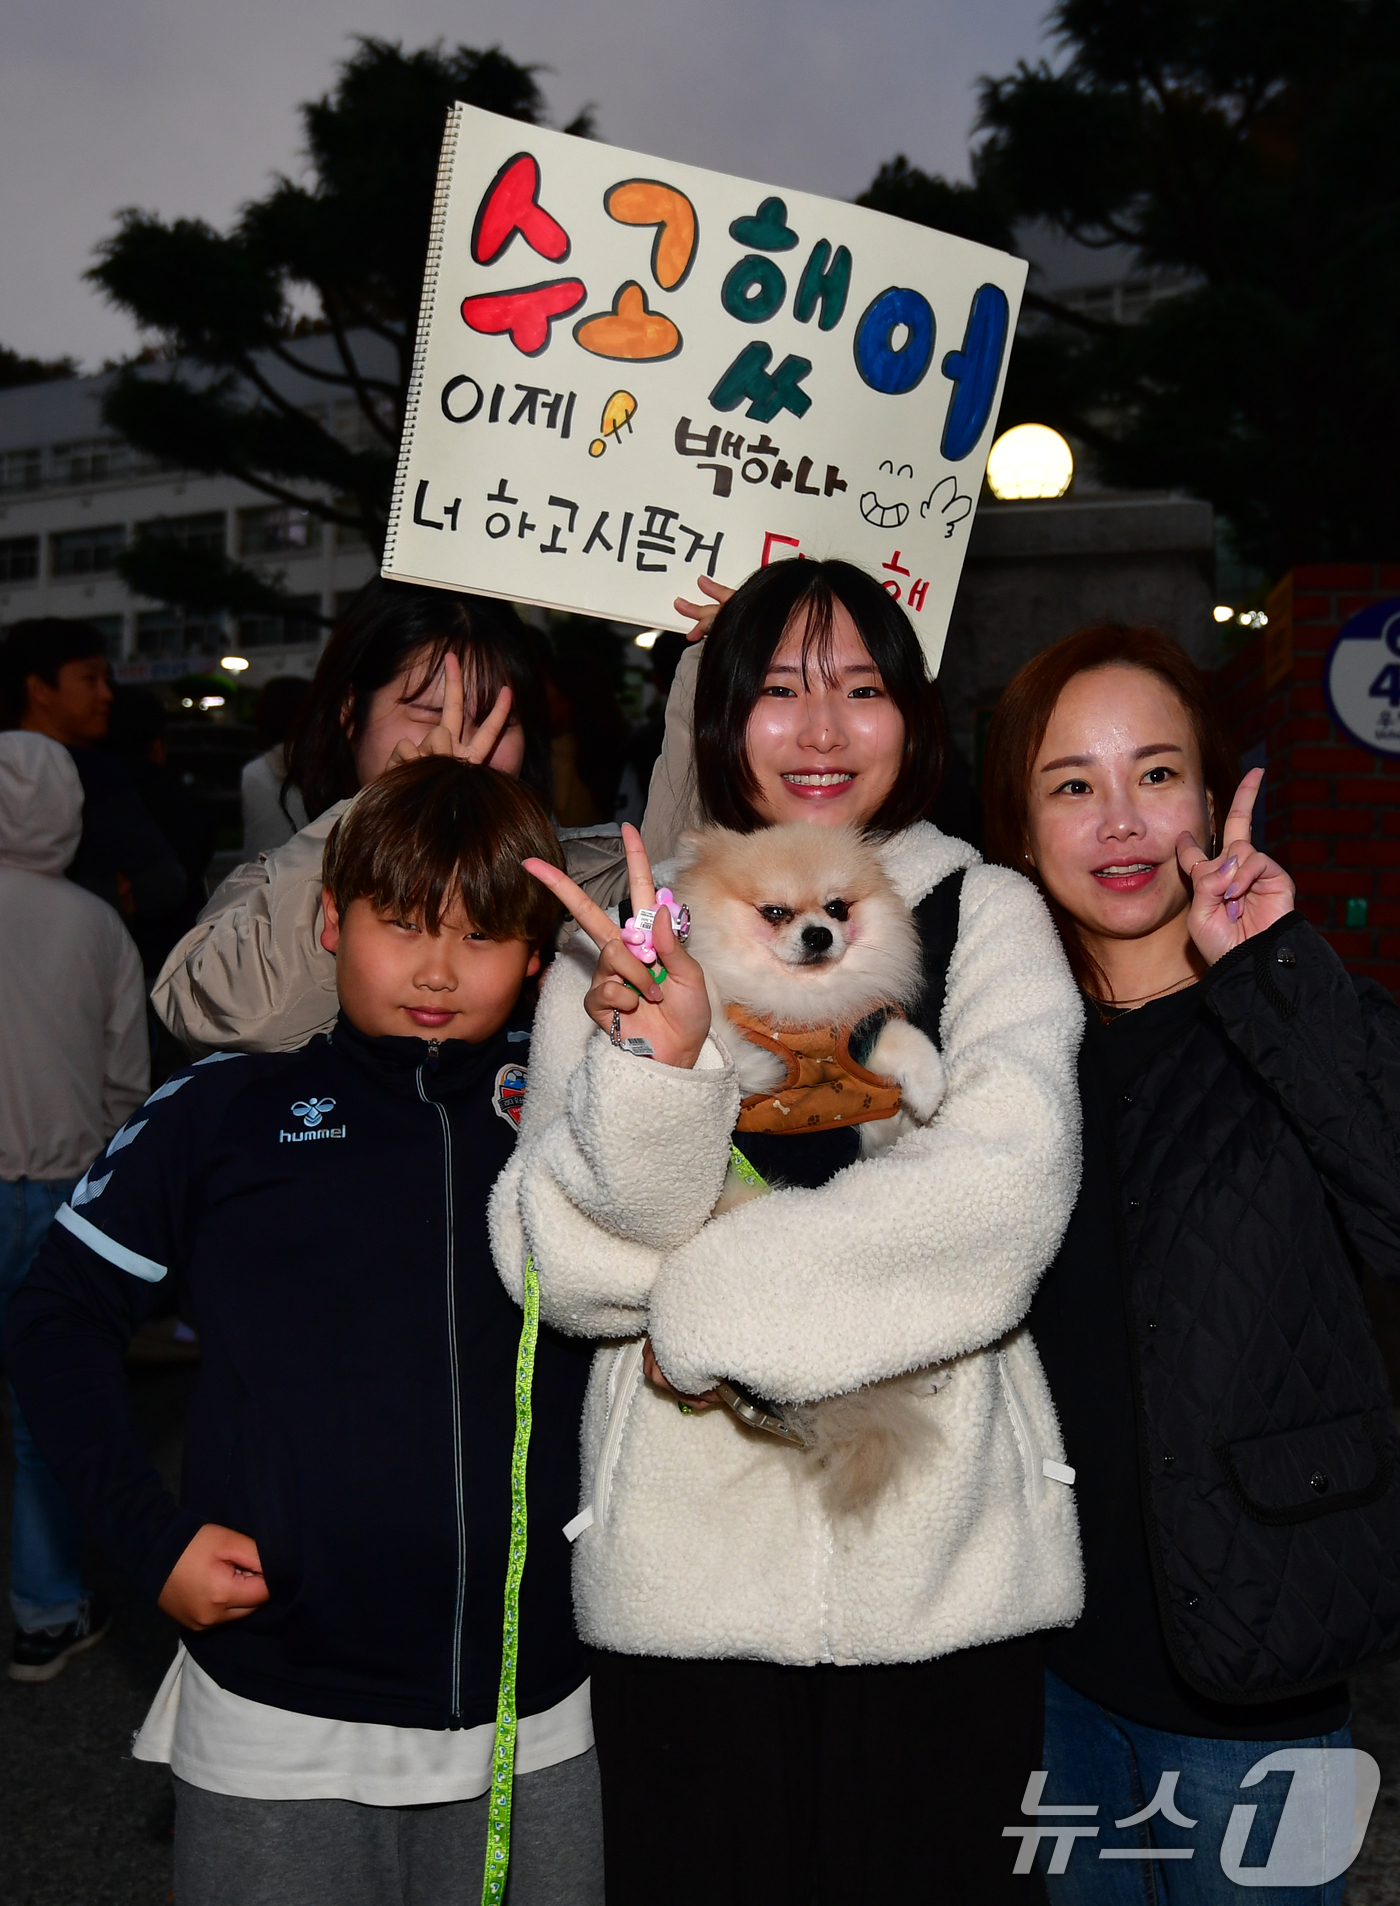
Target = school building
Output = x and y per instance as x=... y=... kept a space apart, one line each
x=73 y=494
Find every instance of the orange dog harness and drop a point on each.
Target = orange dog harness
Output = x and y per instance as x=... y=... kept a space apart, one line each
x=825 y=1086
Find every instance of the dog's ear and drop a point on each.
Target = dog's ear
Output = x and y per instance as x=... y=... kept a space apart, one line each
x=690 y=846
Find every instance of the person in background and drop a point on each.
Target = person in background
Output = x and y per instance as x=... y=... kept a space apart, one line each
x=270 y=816
x=54 y=682
x=73 y=1067
x=1223 y=1401
x=408 y=671
x=136 y=738
x=644 y=743
x=588 y=736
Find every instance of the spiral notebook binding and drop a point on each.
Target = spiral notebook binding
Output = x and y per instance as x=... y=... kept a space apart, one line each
x=441 y=194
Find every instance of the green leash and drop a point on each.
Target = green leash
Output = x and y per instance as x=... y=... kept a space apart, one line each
x=493 y=1886
x=754 y=1179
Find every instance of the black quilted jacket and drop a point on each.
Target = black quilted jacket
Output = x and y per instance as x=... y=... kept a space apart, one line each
x=1259 y=1167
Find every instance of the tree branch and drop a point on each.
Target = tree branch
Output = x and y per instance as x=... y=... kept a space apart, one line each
x=317 y=506
x=328 y=377
x=352 y=371
x=1066 y=314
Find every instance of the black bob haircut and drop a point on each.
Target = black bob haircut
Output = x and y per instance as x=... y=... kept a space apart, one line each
x=385 y=628
x=41 y=646
x=739 y=651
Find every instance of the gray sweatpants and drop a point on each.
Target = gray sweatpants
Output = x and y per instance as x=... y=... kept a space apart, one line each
x=231 y=1852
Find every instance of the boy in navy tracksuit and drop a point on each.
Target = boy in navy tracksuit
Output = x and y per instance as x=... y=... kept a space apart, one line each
x=338 y=1553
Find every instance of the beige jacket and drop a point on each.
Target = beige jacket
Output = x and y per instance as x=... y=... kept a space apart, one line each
x=252 y=975
x=74 y=1051
x=672 y=802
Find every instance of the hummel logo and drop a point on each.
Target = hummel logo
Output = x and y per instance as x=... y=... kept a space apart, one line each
x=311 y=1112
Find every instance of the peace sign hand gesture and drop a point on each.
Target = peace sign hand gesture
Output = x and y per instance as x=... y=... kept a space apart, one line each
x=1243 y=891
x=455 y=734
x=672 y=1015
x=702 y=614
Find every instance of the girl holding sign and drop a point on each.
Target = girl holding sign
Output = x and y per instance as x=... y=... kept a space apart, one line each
x=1223 y=1401
x=409 y=671
x=820 y=1706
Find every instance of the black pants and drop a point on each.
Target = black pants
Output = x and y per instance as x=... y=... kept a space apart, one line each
x=772 y=1786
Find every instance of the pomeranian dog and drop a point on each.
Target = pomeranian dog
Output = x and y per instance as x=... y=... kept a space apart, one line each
x=811 y=960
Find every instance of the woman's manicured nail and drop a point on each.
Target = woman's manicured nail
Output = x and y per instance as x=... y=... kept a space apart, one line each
x=1231 y=864
x=1232 y=908
x=1232 y=889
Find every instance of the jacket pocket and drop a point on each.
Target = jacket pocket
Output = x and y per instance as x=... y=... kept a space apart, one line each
x=622 y=1387
x=1026 y=1439
x=1297 y=1475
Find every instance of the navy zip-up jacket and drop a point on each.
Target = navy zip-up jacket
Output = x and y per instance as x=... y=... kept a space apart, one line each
x=325 y=1211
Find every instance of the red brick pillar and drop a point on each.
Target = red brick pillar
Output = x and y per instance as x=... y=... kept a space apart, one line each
x=1331 y=809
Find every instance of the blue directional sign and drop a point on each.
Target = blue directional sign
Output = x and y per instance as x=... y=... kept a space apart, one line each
x=1362 y=678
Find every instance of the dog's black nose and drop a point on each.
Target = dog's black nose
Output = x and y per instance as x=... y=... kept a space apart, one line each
x=816 y=939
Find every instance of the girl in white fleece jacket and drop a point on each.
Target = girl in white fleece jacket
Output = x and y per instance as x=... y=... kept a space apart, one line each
x=814 y=1709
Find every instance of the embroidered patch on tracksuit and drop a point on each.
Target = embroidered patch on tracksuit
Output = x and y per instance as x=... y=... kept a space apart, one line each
x=509 y=1095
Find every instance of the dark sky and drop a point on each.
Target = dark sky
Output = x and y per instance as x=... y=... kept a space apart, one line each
x=187 y=106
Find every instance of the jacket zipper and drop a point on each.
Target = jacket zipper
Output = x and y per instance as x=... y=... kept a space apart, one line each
x=622 y=1387
x=1166 y=1611
x=459 y=1613
x=1026 y=1437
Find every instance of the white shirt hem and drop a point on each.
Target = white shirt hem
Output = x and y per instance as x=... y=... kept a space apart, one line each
x=226 y=1744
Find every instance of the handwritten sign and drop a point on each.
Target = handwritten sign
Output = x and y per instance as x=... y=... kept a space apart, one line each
x=629 y=372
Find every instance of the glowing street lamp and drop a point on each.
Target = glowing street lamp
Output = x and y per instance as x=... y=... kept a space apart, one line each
x=233 y=664
x=1029 y=461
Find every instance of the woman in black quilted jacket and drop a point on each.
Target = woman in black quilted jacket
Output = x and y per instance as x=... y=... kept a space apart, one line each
x=1223 y=1402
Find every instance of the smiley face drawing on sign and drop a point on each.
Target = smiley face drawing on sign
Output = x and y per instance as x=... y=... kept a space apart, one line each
x=885 y=508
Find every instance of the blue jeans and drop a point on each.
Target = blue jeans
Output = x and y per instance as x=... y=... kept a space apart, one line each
x=1112 y=1769
x=46 y=1583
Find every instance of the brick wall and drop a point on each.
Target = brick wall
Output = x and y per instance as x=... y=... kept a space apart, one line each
x=1331 y=810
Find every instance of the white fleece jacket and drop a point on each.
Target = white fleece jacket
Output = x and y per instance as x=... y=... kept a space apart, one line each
x=709 y=1539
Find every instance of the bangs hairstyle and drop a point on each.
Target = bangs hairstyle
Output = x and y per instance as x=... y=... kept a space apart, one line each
x=1018 y=728
x=739 y=651
x=388 y=627
x=437 y=830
